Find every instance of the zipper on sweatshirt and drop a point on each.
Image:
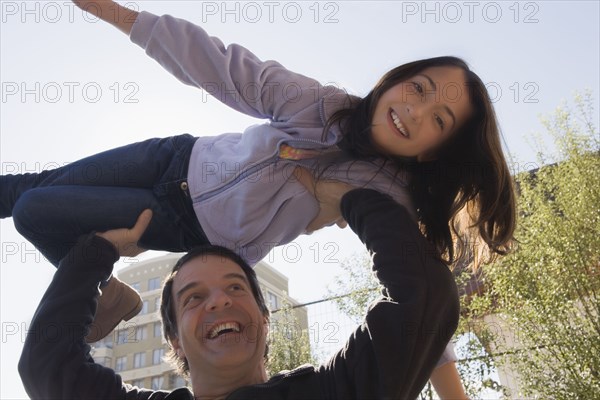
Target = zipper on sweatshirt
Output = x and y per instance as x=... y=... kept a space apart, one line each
x=241 y=176
x=269 y=160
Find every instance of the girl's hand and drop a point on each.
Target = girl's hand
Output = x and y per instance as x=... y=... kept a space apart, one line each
x=93 y=6
x=125 y=240
x=329 y=194
x=115 y=14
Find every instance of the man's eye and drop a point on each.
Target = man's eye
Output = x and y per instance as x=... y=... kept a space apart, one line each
x=238 y=289
x=192 y=299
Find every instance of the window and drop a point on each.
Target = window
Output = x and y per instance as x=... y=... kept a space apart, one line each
x=122 y=336
x=157 y=356
x=153 y=283
x=121 y=363
x=144 y=307
x=137 y=382
x=139 y=360
x=106 y=342
x=157 y=304
x=157 y=382
x=157 y=329
x=272 y=299
x=141 y=333
x=136 y=286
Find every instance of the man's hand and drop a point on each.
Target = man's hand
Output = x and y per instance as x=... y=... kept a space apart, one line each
x=125 y=240
x=329 y=195
x=108 y=10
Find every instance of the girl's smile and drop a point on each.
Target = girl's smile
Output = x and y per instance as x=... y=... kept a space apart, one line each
x=397 y=125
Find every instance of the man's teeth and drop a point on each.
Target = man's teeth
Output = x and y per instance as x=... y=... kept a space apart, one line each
x=398 y=124
x=223 y=328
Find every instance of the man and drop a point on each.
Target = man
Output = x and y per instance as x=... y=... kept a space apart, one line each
x=217 y=327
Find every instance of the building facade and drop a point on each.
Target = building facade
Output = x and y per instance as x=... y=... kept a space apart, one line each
x=136 y=348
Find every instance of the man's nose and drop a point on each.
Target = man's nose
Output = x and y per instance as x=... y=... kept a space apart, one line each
x=218 y=300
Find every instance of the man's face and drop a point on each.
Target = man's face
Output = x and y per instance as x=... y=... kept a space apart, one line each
x=219 y=322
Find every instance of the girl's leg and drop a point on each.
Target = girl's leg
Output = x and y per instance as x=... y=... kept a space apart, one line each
x=53 y=218
x=138 y=165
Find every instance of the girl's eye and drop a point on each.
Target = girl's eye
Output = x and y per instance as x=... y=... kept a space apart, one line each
x=418 y=87
x=440 y=122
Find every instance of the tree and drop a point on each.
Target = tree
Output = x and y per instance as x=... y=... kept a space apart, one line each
x=545 y=294
x=356 y=287
x=289 y=344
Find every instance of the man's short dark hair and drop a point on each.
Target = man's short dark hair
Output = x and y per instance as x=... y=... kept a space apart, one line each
x=167 y=309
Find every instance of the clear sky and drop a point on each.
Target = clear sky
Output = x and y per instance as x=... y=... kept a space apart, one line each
x=73 y=86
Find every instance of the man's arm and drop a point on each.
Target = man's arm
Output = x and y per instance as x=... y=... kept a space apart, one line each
x=56 y=361
x=115 y=14
x=392 y=355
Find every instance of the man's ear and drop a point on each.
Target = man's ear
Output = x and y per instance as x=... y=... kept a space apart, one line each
x=177 y=348
x=266 y=325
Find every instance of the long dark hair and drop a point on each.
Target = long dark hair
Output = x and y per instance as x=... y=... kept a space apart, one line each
x=469 y=176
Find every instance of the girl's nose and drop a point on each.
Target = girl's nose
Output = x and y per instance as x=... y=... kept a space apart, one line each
x=419 y=110
x=218 y=300
x=415 y=111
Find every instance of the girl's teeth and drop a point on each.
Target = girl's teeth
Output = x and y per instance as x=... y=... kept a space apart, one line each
x=397 y=122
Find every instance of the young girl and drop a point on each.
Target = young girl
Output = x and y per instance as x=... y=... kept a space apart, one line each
x=426 y=135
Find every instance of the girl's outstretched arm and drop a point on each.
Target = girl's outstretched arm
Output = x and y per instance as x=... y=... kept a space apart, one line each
x=230 y=73
x=107 y=10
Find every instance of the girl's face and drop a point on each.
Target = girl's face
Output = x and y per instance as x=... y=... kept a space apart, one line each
x=414 y=117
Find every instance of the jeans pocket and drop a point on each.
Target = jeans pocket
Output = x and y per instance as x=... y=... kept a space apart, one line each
x=174 y=197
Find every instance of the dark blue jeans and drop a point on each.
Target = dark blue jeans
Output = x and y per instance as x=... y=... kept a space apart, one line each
x=106 y=191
